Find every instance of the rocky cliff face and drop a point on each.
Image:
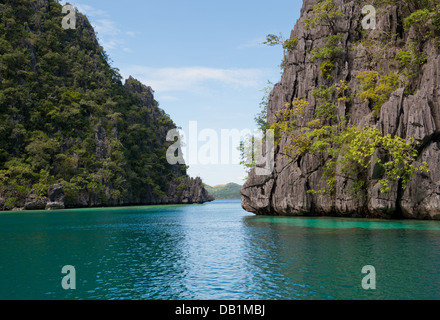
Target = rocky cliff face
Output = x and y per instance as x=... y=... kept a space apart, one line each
x=406 y=113
x=179 y=189
x=72 y=134
x=193 y=192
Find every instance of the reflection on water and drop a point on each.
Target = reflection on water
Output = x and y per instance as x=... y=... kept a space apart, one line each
x=323 y=258
x=348 y=223
x=214 y=251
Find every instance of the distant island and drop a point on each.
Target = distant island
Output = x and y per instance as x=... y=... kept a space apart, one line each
x=225 y=191
x=73 y=134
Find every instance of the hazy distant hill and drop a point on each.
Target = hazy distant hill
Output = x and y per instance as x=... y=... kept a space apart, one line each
x=225 y=191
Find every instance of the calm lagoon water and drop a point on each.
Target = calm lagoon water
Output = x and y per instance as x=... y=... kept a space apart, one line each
x=214 y=251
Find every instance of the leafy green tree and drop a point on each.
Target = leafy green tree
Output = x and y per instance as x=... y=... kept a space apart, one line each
x=377 y=88
x=327 y=55
x=350 y=148
x=324 y=13
x=250 y=146
x=287 y=45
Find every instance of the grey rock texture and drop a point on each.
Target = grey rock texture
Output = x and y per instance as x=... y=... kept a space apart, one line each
x=56 y=197
x=141 y=180
x=285 y=191
x=33 y=202
x=195 y=192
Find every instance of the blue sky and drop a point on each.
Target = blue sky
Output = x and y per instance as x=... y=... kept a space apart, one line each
x=204 y=59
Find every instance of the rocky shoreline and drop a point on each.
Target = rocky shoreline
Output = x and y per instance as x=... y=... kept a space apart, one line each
x=194 y=193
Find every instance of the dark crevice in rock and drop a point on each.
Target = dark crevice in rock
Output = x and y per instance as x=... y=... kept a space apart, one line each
x=399 y=113
x=398 y=214
x=435 y=105
x=416 y=115
x=271 y=198
x=298 y=161
x=435 y=137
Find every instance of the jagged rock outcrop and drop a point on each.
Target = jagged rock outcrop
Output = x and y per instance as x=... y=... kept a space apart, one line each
x=195 y=192
x=287 y=190
x=34 y=202
x=56 y=197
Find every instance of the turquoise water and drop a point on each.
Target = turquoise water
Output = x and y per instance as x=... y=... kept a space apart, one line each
x=214 y=251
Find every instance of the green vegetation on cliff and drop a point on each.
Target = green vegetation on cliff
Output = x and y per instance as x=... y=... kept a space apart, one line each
x=351 y=148
x=66 y=117
x=343 y=148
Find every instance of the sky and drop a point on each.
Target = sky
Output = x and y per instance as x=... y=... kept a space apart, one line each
x=205 y=62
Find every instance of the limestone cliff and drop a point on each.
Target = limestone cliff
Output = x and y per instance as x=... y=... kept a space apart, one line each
x=72 y=134
x=412 y=110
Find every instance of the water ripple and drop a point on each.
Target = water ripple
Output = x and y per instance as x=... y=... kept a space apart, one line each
x=214 y=251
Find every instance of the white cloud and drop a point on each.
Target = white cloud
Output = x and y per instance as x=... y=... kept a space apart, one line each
x=193 y=78
x=90 y=11
x=109 y=34
x=86 y=9
x=229 y=116
x=167 y=98
x=131 y=33
x=106 y=27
